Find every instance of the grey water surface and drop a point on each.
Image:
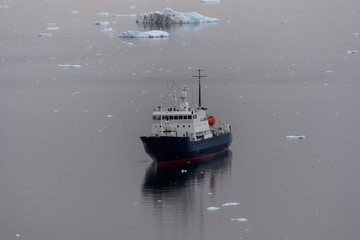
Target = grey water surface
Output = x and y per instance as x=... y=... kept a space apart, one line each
x=72 y=166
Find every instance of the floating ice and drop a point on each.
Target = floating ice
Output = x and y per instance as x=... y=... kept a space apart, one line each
x=108 y=30
x=45 y=34
x=355 y=34
x=132 y=7
x=353 y=51
x=329 y=71
x=102 y=23
x=18 y=236
x=231 y=204
x=52 y=28
x=103 y=14
x=301 y=137
x=213 y=208
x=109 y=116
x=169 y=16
x=68 y=66
x=149 y=34
x=74 y=12
x=210 y=1
x=238 y=219
x=125 y=15
x=183 y=171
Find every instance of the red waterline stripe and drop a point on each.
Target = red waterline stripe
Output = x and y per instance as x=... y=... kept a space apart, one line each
x=182 y=161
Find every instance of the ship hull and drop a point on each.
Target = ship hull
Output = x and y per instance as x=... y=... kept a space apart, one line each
x=179 y=150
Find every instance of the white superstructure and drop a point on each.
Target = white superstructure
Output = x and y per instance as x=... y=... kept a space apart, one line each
x=184 y=121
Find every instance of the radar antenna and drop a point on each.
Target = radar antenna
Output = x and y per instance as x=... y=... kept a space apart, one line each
x=199 y=76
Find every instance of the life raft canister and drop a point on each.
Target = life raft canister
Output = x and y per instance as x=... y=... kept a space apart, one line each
x=211 y=120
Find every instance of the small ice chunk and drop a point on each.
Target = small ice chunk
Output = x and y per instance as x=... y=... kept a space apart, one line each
x=125 y=15
x=68 y=66
x=132 y=7
x=300 y=137
x=55 y=111
x=353 y=51
x=102 y=23
x=75 y=93
x=183 y=171
x=329 y=71
x=231 y=204
x=52 y=28
x=213 y=208
x=103 y=14
x=238 y=219
x=45 y=34
x=149 y=34
x=18 y=236
x=108 y=30
x=109 y=116
x=210 y=1
x=355 y=34
x=74 y=12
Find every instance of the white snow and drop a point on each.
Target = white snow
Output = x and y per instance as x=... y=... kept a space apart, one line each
x=149 y=34
x=213 y=208
x=301 y=137
x=169 y=16
x=231 y=204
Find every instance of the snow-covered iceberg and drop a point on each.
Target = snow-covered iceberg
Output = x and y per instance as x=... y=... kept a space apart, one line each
x=149 y=34
x=169 y=16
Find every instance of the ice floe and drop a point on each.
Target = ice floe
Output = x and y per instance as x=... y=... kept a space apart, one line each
x=355 y=34
x=18 y=236
x=102 y=23
x=353 y=51
x=125 y=15
x=52 y=28
x=68 y=66
x=108 y=30
x=169 y=16
x=231 y=204
x=300 y=137
x=74 y=12
x=210 y=1
x=45 y=34
x=213 y=208
x=103 y=14
x=149 y=34
x=238 y=219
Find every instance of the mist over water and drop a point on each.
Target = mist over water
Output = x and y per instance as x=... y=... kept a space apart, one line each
x=72 y=165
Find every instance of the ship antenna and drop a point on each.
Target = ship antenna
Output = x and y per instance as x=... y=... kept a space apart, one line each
x=199 y=76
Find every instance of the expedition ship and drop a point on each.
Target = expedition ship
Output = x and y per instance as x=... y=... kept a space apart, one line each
x=183 y=134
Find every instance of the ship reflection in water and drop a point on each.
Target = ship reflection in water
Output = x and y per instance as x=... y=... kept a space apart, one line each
x=177 y=196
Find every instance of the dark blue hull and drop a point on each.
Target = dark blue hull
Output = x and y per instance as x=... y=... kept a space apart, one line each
x=177 y=150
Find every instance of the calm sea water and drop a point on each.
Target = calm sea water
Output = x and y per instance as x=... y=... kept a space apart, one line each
x=71 y=162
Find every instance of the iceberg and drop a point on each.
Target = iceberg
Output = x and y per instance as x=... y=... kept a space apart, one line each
x=102 y=23
x=213 y=208
x=301 y=137
x=103 y=14
x=45 y=34
x=68 y=66
x=108 y=30
x=169 y=16
x=238 y=219
x=149 y=34
x=231 y=204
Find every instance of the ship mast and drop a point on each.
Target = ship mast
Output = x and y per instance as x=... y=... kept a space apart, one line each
x=199 y=76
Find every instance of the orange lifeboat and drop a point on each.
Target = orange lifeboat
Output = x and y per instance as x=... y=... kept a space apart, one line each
x=211 y=120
